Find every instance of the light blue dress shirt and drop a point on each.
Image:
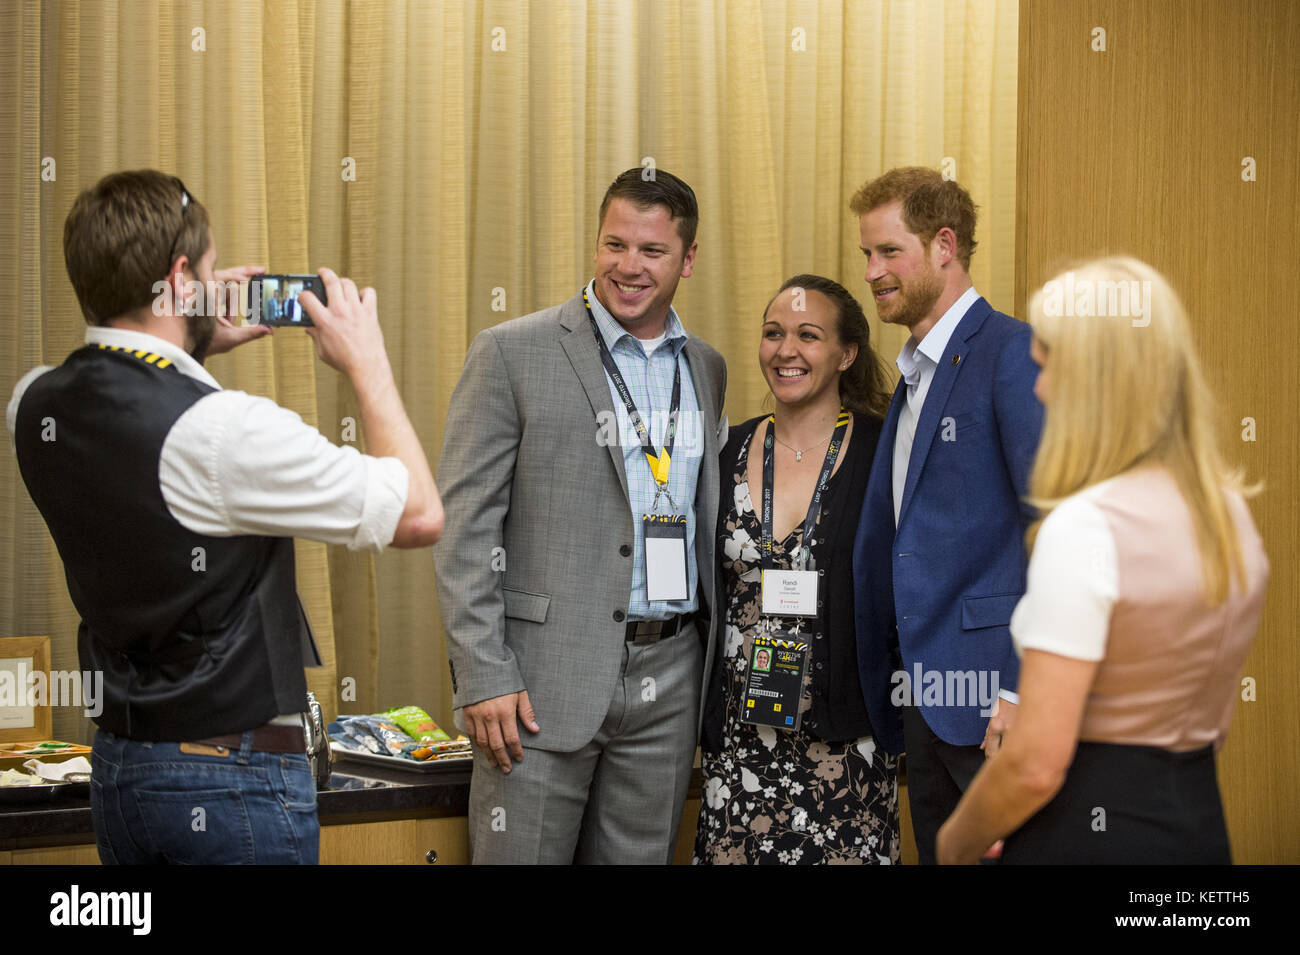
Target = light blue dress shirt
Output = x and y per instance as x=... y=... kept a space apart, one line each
x=649 y=380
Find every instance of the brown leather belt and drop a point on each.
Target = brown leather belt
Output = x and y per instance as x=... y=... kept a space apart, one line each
x=272 y=738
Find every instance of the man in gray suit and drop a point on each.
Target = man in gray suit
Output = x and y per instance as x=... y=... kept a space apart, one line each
x=572 y=432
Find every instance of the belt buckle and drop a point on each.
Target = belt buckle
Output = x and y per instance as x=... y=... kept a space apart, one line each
x=647 y=632
x=657 y=630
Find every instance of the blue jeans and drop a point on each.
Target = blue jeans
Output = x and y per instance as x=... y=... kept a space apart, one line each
x=151 y=804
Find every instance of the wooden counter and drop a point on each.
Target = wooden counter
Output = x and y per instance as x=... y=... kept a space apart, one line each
x=370 y=815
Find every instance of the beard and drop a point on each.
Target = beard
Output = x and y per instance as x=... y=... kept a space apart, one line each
x=199 y=328
x=915 y=299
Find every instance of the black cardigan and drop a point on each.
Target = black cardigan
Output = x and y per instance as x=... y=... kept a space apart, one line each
x=838 y=711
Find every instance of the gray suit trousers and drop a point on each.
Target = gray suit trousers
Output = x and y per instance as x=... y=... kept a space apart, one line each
x=617 y=799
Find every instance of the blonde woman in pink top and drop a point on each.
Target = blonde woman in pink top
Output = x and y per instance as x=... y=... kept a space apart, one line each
x=1146 y=585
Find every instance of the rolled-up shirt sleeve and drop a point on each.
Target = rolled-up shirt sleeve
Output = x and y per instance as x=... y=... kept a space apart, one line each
x=1072 y=584
x=236 y=463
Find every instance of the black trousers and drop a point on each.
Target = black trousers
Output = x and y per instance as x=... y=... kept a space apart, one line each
x=937 y=775
x=1128 y=805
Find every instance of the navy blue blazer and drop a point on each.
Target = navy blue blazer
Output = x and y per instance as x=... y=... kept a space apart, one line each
x=940 y=588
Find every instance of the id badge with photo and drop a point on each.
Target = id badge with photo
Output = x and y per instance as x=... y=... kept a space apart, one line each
x=790 y=593
x=665 y=556
x=776 y=668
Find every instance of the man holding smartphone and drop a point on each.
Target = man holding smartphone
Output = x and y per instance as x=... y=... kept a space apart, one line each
x=174 y=505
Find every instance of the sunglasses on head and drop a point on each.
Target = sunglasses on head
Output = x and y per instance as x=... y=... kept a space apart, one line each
x=185 y=208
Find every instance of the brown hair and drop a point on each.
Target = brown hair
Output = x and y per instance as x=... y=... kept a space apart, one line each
x=863 y=386
x=122 y=236
x=662 y=189
x=930 y=203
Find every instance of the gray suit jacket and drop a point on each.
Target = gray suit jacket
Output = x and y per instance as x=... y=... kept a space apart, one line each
x=531 y=568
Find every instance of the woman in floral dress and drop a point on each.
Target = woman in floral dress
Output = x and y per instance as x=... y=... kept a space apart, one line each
x=826 y=792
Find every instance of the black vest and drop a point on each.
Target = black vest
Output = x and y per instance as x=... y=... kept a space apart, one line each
x=196 y=636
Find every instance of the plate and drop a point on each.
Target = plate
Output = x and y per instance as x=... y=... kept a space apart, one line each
x=398 y=763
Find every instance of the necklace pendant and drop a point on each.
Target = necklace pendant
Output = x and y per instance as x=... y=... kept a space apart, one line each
x=798 y=455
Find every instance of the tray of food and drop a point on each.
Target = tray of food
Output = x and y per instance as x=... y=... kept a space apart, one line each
x=13 y=754
x=17 y=786
x=405 y=739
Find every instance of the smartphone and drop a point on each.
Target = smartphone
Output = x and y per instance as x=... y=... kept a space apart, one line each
x=273 y=299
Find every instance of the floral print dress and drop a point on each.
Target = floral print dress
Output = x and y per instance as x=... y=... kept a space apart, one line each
x=776 y=796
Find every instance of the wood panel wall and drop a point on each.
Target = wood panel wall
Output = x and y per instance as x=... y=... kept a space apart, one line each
x=1139 y=149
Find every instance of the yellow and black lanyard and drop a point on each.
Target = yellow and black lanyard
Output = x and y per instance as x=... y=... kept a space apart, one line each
x=802 y=560
x=659 y=463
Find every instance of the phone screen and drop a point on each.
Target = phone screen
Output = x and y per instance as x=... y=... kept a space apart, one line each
x=273 y=299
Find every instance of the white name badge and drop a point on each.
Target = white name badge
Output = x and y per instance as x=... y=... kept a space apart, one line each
x=665 y=557
x=790 y=593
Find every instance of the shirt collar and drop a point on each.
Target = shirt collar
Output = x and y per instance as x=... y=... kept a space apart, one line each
x=137 y=341
x=931 y=348
x=613 y=332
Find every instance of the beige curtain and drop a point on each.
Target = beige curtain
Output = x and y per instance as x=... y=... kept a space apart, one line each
x=453 y=155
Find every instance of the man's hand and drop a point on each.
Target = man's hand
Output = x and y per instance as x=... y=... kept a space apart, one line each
x=1004 y=714
x=226 y=334
x=347 y=333
x=491 y=725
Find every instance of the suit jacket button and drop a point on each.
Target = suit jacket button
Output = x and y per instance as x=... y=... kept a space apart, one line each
x=618 y=616
x=625 y=550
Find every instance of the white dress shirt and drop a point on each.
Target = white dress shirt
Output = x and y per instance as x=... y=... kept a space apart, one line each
x=235 y=463
x=917 y=362
x=1073 y=582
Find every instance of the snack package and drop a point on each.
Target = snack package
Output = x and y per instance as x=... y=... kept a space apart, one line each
x=417 y=723
x=354 y=734
x=425 y=750
x=375 y=733
x=345 y=736
x=390 y=735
